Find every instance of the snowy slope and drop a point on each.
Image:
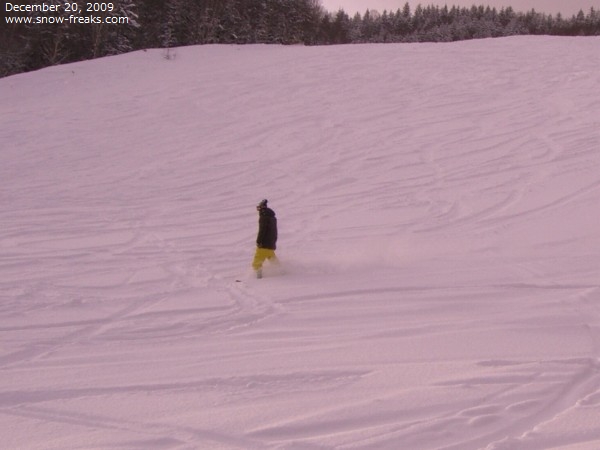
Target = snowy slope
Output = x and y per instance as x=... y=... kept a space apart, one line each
x=439 y=232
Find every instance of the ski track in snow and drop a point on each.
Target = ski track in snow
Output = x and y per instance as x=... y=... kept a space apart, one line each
x=439 y=232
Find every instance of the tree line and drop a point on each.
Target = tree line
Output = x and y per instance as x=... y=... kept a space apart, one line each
x=36 y=39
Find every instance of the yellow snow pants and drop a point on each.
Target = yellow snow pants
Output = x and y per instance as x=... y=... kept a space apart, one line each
x=260 y=256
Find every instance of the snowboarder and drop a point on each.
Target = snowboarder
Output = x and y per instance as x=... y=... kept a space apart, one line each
x=267 y=238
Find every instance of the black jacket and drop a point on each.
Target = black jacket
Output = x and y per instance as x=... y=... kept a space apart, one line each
x=267 y=229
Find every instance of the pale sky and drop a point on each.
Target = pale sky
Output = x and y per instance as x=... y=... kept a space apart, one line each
x=566 y=7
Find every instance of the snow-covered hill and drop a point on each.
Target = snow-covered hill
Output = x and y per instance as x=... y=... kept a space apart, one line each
x=439 y=231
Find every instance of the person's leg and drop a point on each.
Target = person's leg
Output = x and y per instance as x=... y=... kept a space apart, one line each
x=259 y=258
x=273 y=258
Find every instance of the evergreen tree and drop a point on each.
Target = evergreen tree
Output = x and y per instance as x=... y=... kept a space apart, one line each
x=170 y=23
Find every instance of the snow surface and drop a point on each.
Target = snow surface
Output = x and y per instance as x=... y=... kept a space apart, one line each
x=439 y=231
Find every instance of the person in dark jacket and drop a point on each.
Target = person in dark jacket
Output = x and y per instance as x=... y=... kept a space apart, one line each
x=266 y=241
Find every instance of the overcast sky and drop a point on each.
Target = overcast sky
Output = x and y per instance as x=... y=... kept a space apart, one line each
x=565 y=7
